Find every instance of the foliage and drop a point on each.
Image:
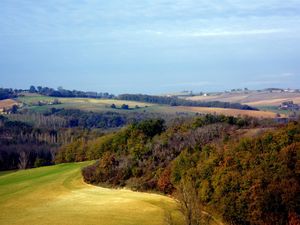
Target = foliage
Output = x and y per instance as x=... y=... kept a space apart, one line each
x=24 y=145
x=205 y=163
x=61 y=92
x=6 y=93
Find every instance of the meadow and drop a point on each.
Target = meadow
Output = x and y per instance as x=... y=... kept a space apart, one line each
x=58 y=195
x=103 y=105
x=87 y=104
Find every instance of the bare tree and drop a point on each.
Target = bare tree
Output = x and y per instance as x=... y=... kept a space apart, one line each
x=52 y=152
x=23 y=160
x=190 y=204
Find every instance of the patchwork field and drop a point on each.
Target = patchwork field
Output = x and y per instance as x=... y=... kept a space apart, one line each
x=57 y=195
x=88 y=104
x=252 y=98
x=103 y=105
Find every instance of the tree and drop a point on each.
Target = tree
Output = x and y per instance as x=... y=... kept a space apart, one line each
x=189 y=203
x=23 y=160
x=32 y=89
x=14 y=109
x=124 y=106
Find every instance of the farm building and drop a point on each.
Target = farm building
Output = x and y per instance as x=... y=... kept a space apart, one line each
x=289 y=105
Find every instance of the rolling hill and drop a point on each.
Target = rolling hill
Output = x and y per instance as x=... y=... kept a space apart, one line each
x=103 y=105
x=256 y=99
x=58 y=195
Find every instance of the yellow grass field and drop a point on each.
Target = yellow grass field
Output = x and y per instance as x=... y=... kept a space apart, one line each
x=57 y=195
x=7 y=103
x=87 y=104
x=107 y=102
x=229 y=112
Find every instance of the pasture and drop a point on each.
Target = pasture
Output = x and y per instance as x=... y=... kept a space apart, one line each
x=58 y=195
x=87 y=104
x=103 y=105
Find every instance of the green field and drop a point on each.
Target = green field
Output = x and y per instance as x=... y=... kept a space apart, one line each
x=87 y=104
x=103 y=105
x=57 y=195
x=97 y=105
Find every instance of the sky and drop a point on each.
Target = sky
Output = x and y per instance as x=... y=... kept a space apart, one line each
x=150 y=46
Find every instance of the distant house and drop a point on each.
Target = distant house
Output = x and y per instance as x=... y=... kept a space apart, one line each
x=289 y=105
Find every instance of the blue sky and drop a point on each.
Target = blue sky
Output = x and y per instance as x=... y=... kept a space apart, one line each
x=150 y=46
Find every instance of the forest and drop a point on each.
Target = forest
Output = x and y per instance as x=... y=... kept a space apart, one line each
x=212 y=163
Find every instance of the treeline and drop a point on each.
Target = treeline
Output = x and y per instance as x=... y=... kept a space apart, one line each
x=6 y=93
x=73 y=118
x=38 y=135
x=24 y=145
x=61 y=92
x=175 y=101
x=208 y=164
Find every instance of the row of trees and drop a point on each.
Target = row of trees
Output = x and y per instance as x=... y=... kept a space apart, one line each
x=61 y=92
x=6 y=93
x=25 y=145
x=174 y=101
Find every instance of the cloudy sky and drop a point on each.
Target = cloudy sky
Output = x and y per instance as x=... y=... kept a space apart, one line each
x=150 y=46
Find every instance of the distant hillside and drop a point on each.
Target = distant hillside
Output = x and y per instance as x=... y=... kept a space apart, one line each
x=252 y=98
x=175 y=101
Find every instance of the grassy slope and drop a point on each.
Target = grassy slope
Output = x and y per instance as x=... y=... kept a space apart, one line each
x=256 y=99
x=103 y=105
x=57 y=195
x=87 y=104
x=7 y=103
x=231 y=112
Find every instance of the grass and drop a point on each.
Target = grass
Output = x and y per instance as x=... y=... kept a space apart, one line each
x=230 y=112
x=103 y=105
x=7 y=103
x=87 y=104
x=57 y=195
x=256 y=99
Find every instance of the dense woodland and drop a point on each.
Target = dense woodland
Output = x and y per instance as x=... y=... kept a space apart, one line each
x=25 y=145
x=175 y=101
x=216 y=164
x=40 y=134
